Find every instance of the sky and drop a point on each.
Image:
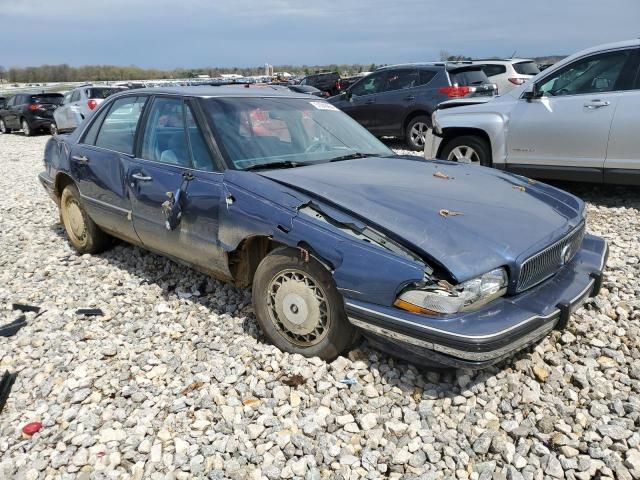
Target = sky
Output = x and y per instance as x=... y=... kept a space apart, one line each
x=224 y=33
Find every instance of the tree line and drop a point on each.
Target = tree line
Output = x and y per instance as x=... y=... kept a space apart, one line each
x=67 y=73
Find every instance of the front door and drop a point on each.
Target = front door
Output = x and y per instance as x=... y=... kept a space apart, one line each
x=361 y=105
x=568 y=127
x=175 y=188
x=100 y=161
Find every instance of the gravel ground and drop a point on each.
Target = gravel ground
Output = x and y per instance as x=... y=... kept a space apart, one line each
x=175 y=381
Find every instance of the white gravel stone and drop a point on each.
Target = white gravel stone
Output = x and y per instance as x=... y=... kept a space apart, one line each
x=176 y=380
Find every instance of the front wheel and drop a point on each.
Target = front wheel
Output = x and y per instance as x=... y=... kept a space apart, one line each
x=416 y=132
x=26 y=129
x=84 y=235
x=3 y=127
x=298 y=306
x=468 y=149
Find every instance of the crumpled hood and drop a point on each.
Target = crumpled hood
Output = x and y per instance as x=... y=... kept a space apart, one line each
x=477 y=220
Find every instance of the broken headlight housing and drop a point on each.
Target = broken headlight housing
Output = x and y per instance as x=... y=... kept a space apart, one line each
x=443 y=298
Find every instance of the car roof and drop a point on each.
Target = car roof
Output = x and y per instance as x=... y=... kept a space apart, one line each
x=447 y=65
x=209 y=91
x=502 y=60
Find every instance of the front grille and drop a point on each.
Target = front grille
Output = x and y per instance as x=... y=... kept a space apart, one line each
x=542 y=265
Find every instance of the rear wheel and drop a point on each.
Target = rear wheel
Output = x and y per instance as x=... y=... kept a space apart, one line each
x=53 y=128
x=416 y=132
x=298 y=306
x=3 y=127
x=469 y=149
x=26 y=129
x=84 y=235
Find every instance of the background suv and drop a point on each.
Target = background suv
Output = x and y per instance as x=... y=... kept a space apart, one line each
x=508 y=74
x=29 y=112
x=327 y=82
x=398 y=100
x=78 y=104
x=577 y=120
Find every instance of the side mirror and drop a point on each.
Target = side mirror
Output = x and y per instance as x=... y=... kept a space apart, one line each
x=530 y=92
x=346 y=94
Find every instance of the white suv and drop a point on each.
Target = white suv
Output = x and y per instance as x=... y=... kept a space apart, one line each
x=508 y=74
x=78 y=104
x=577 y=120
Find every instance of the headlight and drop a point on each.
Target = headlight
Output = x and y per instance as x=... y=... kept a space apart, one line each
x=446 y=298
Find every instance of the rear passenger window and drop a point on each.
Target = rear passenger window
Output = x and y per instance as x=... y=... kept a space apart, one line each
x=402 y=79
x=75 y=97
x=118 y=130
x=164 y=136
x=426 y=76
x=92 y=133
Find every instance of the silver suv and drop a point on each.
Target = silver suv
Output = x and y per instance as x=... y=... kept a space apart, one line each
x=78 y=105
x=576 y=120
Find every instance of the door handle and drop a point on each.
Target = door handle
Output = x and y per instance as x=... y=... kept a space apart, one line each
x=409 y=98
x=597 y=104
x=80 y=158
x=141 y=177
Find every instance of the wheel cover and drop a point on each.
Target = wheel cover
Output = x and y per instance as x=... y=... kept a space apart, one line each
x=76 y=226
x=418 y=134
x=2 y=127
x=54 y=129
x=464 y=154
x=298 y=308
x=25 y=127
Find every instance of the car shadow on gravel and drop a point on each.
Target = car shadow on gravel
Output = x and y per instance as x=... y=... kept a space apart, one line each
x=609 y=196
x=179 y=282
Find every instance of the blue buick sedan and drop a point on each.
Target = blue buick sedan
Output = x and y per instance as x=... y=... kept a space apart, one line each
x=436 y=262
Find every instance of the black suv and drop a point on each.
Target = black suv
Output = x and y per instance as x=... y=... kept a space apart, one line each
x=29 y=112
x=398 y=100
x=327 y=82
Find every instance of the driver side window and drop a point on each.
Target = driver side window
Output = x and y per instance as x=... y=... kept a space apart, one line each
x=369 y=85
x=599 y=73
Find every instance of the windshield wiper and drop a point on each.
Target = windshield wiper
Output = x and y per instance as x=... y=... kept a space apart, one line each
x=353 y=156
x=268 y=165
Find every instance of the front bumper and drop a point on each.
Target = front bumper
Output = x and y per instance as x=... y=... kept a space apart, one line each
x=431 y=145
x=495 y=331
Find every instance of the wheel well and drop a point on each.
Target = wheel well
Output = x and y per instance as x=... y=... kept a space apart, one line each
x=244 y=260
x=449 y=134
x=413 y=115
x=62 y=180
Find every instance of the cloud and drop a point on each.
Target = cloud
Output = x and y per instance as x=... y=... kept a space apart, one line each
x=169 y=33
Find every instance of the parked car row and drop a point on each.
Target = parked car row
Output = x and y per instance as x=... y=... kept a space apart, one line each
x=336 y=234
x=398 y=100
x=577 y=120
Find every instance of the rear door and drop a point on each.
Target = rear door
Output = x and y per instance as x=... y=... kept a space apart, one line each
x=175 y=186
x=623 y=151
x=14 y=107
x=564 y=134
x=395 y=100
x=99 y=161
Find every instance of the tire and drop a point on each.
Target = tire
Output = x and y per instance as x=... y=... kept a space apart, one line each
x=26 y=129
x=84 y=235
x=316 y=324
x=468 y=149
x=415 y=132
x=3 y=127
x=53 y=128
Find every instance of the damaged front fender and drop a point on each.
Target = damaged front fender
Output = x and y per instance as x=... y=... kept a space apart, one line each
x=365 y=264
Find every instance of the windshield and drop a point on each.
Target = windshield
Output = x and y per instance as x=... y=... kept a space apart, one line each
x=526 y=68
x=259 y=131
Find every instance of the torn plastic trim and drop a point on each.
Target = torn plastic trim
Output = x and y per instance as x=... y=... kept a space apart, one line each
x=362 y=232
